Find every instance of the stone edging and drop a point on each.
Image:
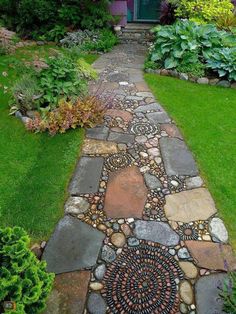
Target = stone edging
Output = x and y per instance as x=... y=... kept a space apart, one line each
x=186 y=77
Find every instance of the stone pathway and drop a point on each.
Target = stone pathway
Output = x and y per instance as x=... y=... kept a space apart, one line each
x=140 y=233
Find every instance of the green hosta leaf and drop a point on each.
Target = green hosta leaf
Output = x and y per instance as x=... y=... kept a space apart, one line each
x=170 y=63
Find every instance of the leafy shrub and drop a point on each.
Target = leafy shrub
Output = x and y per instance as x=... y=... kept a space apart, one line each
x=41 y=16
x=222 y=60
x=56 y=33
x=184 y=43
x=228 y=294
x=99 y=41
x=202 y=10
x=23 y=279
x=85 y=112
x=62 y=79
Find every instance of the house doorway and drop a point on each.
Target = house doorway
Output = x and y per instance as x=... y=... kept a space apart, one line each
x=147 y=10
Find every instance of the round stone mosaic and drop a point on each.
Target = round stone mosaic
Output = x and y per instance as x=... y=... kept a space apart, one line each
x=143 y=280
x=187 y=232
x=141 y=128
x=118 y=161
x=94 y=217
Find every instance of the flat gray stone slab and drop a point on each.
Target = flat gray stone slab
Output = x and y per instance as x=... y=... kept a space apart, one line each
x=152 y=182
x=156 y=231
x=87 y=175
x=98 y=133
x=74 y=245
x=150 y=107
x=121 y=137
x=158 y=117
x=207 y=294
x=177 y=158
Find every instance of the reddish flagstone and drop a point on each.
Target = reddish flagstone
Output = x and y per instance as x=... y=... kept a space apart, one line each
x=125 y=115
x=212 y=255
x=126 y=194
x=171 y=130
x=69 y=293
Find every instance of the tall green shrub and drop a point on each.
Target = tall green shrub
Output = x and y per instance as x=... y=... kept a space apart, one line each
x=41 y=16
x=23 y=278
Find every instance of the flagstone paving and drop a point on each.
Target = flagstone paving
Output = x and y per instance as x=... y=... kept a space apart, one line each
x=139 y=220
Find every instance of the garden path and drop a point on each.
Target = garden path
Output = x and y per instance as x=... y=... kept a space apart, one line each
x=141 y=232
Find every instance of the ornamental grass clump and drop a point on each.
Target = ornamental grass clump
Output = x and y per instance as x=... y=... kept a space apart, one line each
x=24 y=280
x=228 y=294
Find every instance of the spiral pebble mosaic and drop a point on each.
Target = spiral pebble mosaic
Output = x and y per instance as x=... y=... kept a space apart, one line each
x=143 y=280
x=118 y=161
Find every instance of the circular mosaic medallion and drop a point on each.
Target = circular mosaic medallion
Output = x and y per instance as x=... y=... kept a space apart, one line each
x=118 y=161
x=187 y=232
x=144 y=128
x=142 y=280
x=94 y=217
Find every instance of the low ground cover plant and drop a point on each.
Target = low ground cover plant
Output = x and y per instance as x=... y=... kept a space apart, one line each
x=90 y=41
x=192 y=48
x=23 y=278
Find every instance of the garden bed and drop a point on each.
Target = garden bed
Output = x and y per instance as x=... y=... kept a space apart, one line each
x=35 y=168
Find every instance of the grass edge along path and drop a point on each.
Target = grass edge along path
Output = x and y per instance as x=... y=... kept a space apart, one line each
x=206 y=117
x=35 y=168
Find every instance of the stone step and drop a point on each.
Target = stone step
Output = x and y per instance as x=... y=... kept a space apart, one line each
x=136 y=33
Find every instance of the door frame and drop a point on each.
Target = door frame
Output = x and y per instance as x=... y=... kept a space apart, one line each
x=135 y=18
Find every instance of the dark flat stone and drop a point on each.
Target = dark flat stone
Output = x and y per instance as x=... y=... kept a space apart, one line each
x=74 y=245
x=87 y=175
x=121 y=137
x=156 y=231
x=69 y=293
x=158 y=117
x=98 y=133
x=96 y=304
x=207 y=294
x=177 y=158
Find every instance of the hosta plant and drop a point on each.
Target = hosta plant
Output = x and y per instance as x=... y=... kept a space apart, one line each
x=185 y=44
x=23 y=278
x=222 y=60
x=182 y=40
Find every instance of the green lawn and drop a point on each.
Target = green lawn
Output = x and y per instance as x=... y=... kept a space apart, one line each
x=34 y=168
x=206 y=115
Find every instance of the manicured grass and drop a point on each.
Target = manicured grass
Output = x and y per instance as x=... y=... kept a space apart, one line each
x=206 y=116
x=34 y=168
